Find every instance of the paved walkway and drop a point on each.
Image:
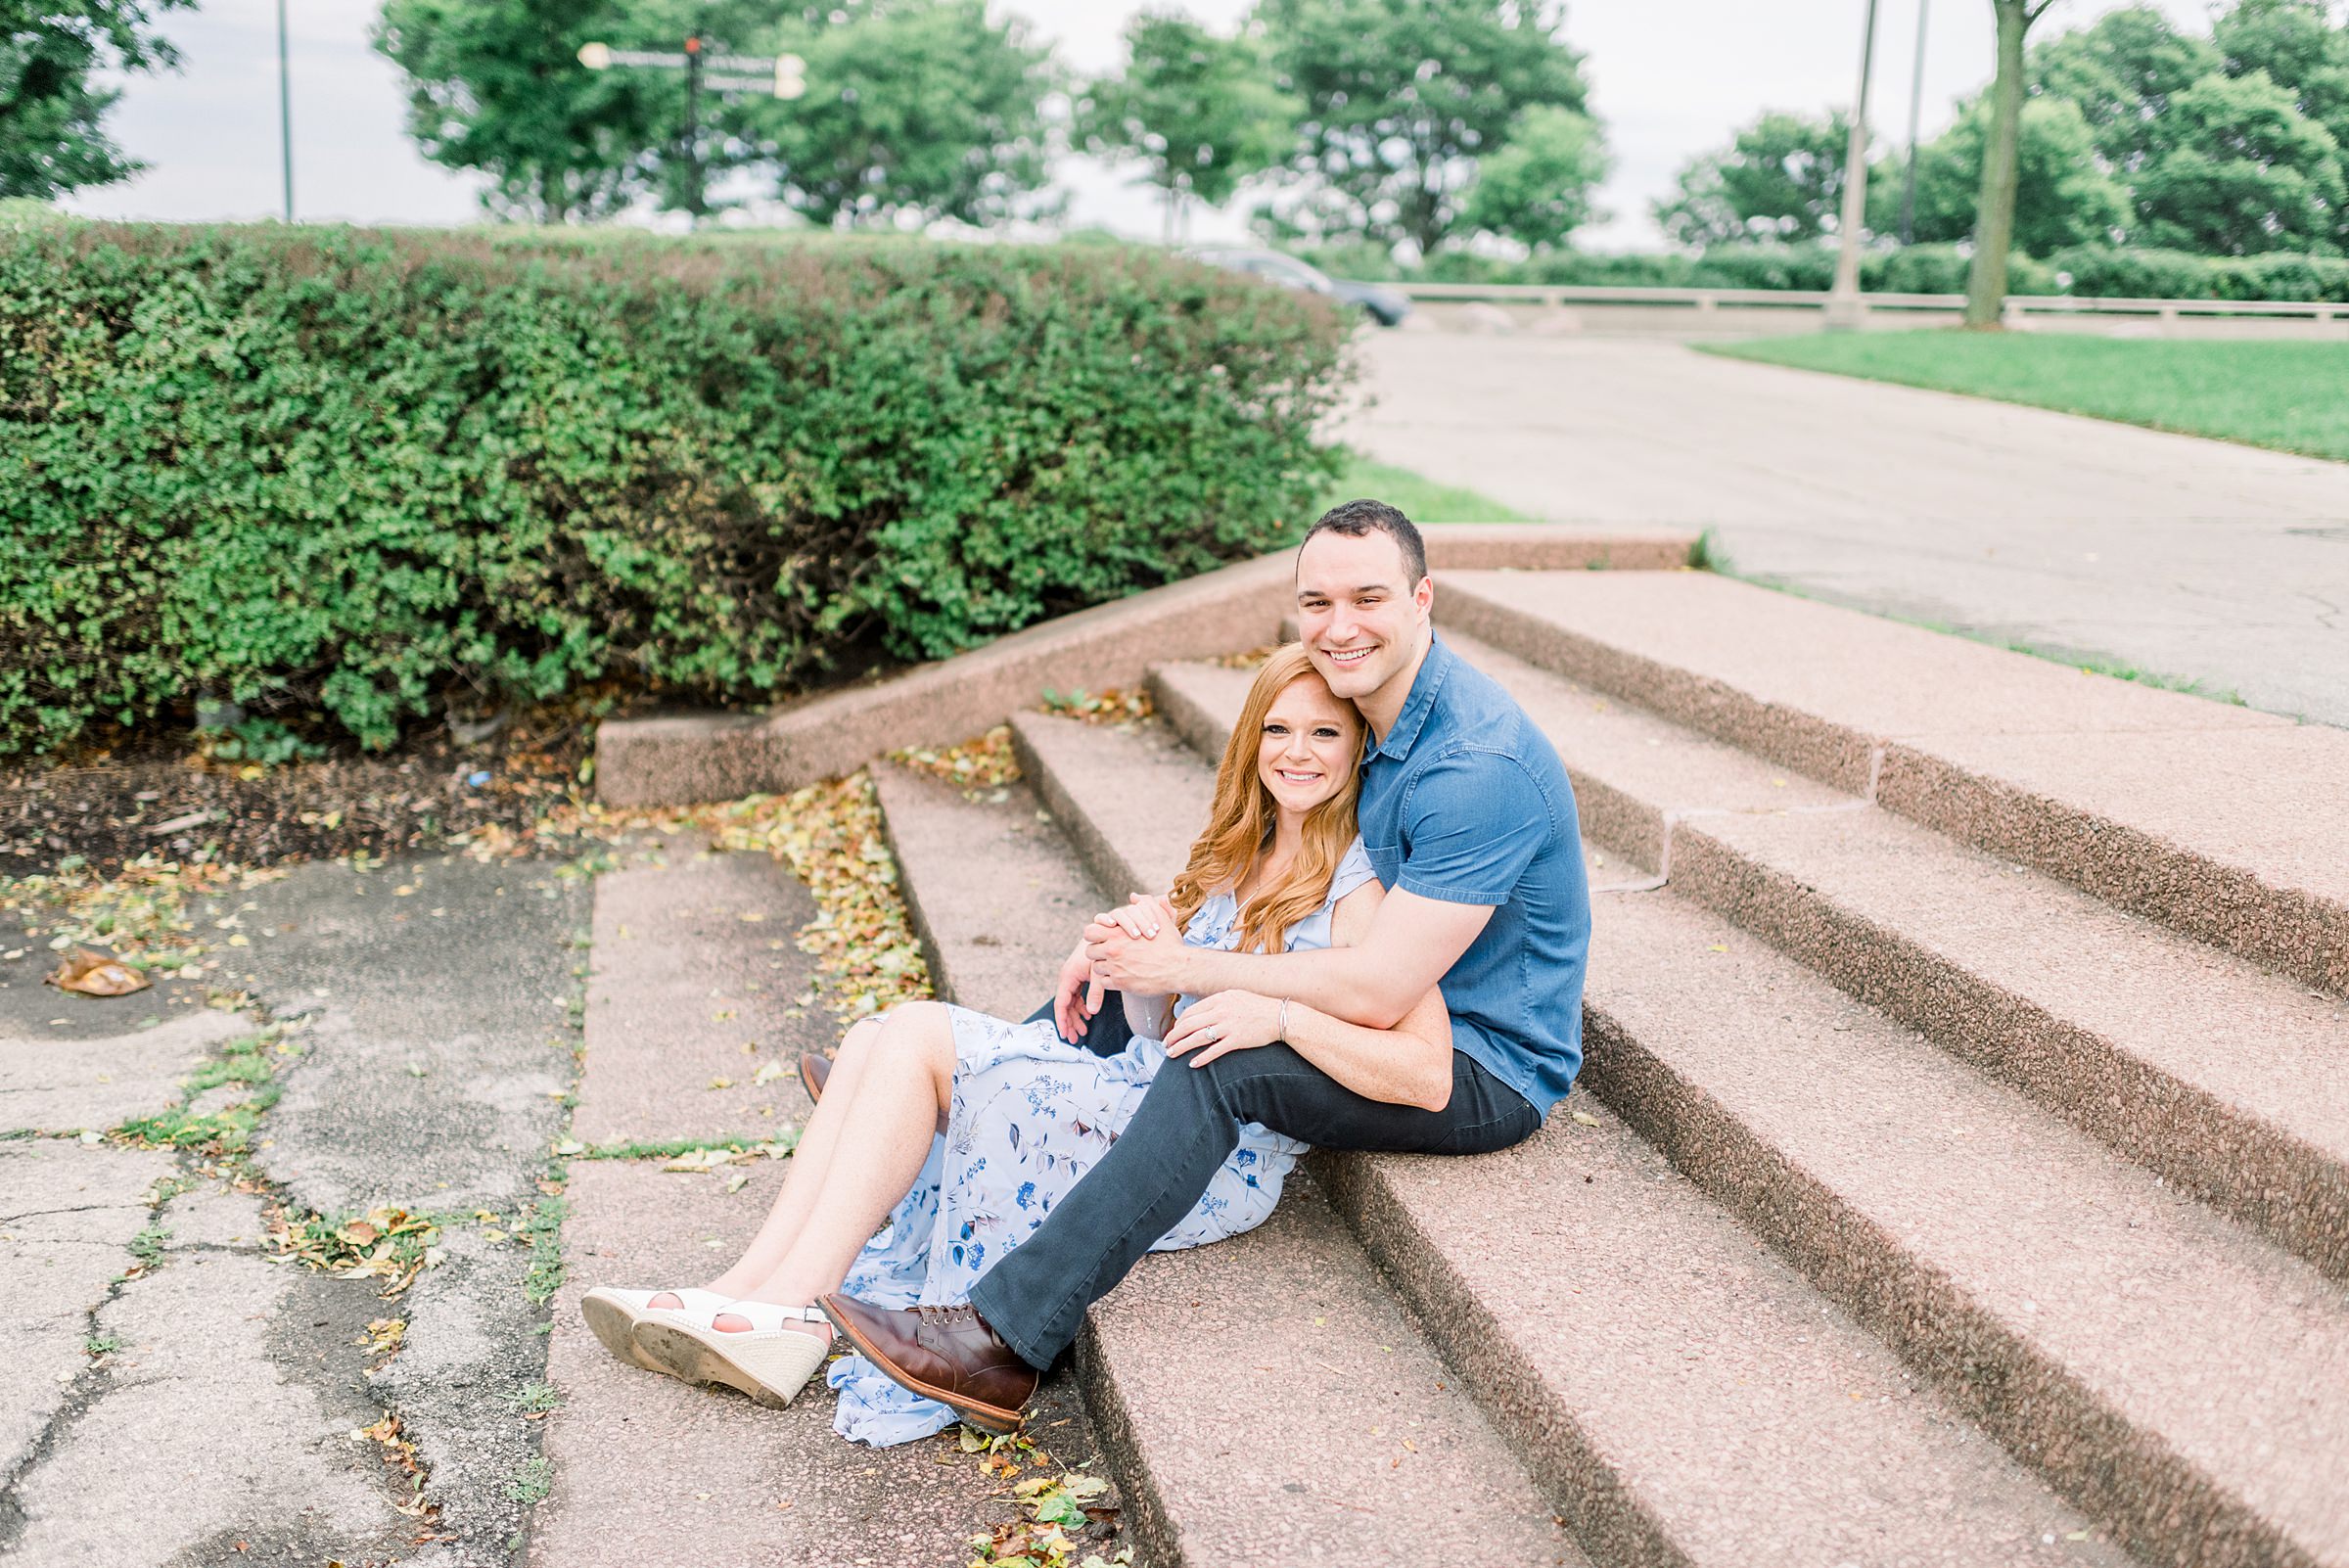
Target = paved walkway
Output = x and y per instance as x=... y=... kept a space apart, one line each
x=176 y=1390
x=2190 y=560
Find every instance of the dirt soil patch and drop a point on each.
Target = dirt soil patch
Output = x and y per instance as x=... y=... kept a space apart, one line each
x=161 y=793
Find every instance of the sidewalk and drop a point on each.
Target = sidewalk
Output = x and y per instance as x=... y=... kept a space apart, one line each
x=2189 y=560
x=177 y=1388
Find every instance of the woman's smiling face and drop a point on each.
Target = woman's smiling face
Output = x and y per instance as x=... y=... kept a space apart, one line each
x=1310 y=744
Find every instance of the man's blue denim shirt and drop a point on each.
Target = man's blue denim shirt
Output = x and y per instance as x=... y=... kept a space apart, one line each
x=1466 y=801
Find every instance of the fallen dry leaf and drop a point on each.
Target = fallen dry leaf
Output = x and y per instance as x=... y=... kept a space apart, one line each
x=97 y=974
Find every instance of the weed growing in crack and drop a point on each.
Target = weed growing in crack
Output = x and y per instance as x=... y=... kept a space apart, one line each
x=226 y=1132
x=536 y=1399
x=532 y=1482
x=101 y=1345
x=540 y=1226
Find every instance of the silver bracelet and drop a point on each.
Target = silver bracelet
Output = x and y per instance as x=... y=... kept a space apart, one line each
x=1284 y=1018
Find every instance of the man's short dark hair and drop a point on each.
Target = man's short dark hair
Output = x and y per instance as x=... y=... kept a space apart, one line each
x=1355 y=519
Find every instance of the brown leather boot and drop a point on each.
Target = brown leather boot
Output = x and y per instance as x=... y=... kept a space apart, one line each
x=945 y=1354
x=813 y=1071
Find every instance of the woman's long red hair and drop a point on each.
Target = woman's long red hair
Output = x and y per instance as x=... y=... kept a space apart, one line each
x=1239 y=829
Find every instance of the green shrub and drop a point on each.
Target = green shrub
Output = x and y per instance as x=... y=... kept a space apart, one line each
x=2113 y=272
x=2099 y=270
x=352 y=470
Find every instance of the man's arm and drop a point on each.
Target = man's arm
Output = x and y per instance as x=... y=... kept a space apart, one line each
x=1411 y=942
x=1410 y=1064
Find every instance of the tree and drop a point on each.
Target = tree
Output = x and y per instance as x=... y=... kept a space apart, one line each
x=2121 y=73
x=2062 y=196
x=1537 y=189
x=2238 y=169
x=496 y=85
x=51 y=133
x=915 y=109
x=1781 y=178
x=1993 y=209
x=1202 y=111
x=2303 y=50
x=1403 y=96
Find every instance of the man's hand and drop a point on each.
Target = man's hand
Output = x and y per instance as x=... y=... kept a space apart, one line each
x=1226 y=1022
x=1137 y=948
x=1076 y=997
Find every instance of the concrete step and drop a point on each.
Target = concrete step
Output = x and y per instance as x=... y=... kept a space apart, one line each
x=2176 y=1378
x=1658 y=774
x=1115 y=789
x=1681 y=1389
x=1582 y=1348
x=1264 y=1400
x=2215 y=820
x=2222 y=1076
x=995 y=895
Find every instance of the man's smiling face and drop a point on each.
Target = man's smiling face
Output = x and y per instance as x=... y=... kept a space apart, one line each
x=1363 y=622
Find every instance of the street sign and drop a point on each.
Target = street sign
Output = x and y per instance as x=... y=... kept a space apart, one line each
x=783 y=76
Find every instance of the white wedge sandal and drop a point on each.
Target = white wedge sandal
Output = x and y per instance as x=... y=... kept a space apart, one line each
x=613 y=1315
x=769 y=1361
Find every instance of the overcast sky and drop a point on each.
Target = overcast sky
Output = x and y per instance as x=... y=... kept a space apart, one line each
x=1671 y=78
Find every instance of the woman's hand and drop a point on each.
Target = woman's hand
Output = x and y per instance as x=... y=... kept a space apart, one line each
x=1229 y=1021
x=1076 y=997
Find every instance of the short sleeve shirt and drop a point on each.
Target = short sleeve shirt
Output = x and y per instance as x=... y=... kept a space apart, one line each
x=1466 y=800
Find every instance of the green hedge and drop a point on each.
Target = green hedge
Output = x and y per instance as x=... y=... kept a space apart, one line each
x=353 y=472
x=2089 y=271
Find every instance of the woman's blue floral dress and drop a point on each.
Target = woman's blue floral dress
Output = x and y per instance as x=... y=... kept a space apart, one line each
x=1031 y=1115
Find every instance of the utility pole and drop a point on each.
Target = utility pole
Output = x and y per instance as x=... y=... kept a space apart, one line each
x=782 y=76
x=285 y=111
x=1845 y=309
x=1916 y=100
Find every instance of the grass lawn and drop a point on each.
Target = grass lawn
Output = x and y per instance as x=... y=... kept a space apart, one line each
x=1421 y=500
x=2291 y=396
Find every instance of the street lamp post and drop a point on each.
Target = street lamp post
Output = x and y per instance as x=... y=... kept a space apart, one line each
x=1845 y=309
x=285 y=111
x=781 y=75
x=1917 y=99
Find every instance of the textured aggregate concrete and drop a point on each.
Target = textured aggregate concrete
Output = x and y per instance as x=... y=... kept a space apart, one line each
x=2219 y=1075
x=70 y=1085
x=2193 y=559
x=1680 y=1384
x=213 y=1340
x=2093 y=779
x=433 y=1078
x=648 y=1470
x=693 y=961
x=995 y=892
x=2167 y=1372
x=1282 y=1408
x=1144 y=794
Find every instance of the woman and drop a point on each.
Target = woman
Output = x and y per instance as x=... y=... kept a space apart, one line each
x=963 y=1130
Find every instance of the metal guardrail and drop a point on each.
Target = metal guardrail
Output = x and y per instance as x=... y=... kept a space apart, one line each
x=1710 y=300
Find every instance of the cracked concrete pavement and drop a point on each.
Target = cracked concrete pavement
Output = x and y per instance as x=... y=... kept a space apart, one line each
x=2196 y=560
x=176 y=1393
x=434 y=1005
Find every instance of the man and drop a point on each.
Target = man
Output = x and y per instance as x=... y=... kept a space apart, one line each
x=1469 y=821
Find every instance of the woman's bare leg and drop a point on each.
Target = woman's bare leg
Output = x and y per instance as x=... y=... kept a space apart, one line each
x=804 y=1178
x=907 y=1084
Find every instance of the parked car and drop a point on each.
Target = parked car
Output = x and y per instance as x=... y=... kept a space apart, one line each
x=1387 y=307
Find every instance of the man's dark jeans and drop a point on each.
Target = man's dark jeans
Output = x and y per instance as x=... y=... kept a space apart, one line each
x=1188 y=1122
